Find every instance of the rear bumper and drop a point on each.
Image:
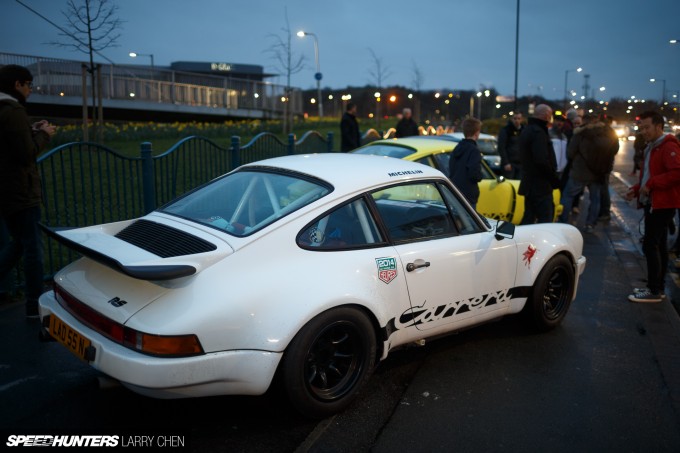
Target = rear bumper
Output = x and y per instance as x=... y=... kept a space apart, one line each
x=241 y=372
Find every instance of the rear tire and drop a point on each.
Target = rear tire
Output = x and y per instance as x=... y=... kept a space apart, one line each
x=551 y=294
x=328 y=361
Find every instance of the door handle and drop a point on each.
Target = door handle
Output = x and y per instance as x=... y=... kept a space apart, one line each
x=410 y=267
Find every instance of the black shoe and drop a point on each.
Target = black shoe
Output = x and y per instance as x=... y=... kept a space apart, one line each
x=32 y=309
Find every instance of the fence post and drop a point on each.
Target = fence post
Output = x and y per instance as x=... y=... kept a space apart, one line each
x=235 y=151
x=148 y=179
x=291 y=144
x=330 y=141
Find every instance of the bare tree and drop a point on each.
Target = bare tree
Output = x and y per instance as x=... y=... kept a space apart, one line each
x=379 y=72
x=91 y=26
x=287 y=63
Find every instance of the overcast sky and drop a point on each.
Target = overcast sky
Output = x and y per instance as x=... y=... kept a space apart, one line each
x=456 y=44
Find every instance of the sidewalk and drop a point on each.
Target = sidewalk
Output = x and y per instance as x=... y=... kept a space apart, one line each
x=661 y=322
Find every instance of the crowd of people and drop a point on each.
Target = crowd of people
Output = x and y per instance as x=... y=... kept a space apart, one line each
x=575 y=154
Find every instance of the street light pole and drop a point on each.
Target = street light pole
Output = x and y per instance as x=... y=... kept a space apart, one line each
x=150 y=55
x=566 y=76
x=318 y=75
x=663 y=90
x=514 y=108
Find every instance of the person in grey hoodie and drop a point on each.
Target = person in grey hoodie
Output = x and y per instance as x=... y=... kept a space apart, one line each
x=465 y=165
x=20 y=188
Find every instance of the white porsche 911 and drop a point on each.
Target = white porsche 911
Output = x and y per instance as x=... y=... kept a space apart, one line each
x=308 y=269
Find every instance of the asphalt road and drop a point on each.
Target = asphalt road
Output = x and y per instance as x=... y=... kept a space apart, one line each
x=607 y=379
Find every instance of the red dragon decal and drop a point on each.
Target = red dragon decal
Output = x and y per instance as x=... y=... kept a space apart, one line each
x=528 y=255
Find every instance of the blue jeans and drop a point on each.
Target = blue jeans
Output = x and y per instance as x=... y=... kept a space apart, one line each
x=25 y=241
x=7 y=282
x=572 y=189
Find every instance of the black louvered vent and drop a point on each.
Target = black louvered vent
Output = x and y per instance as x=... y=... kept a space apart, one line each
x=163 y=240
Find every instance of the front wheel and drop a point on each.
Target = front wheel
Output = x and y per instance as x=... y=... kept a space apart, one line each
x=328 y=361
x=551 y=294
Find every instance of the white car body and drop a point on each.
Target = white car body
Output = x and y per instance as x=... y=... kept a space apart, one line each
x=247 y=298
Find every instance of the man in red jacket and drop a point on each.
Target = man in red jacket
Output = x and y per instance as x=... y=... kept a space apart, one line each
x=658 y=193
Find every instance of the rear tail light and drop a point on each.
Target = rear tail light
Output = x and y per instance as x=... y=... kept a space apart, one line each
x=146 y=343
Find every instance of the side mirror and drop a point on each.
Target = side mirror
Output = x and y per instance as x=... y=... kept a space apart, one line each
x=504 y=230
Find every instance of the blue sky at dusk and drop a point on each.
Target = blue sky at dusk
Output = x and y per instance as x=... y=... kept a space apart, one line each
x=456 y=44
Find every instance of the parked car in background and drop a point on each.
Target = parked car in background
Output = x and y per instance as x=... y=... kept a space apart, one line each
x=306 y=269
x=498 y=198
x=487 y=144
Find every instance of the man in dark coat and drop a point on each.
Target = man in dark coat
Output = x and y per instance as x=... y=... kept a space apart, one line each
x=539 y=168
x=20 y=144
x=465 y=164
x=508 y=147
x=591 y=152
x=350 y=137
x=406 y=127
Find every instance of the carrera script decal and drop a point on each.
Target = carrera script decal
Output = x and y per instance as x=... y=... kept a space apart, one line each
x=387 y=269
x=420 y=315
x=528 y=255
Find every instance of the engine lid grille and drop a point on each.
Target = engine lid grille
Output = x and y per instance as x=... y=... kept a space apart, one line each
x=162 y=240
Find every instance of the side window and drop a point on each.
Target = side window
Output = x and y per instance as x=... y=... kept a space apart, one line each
x=464 y=221
x=349 y=226
x=443 y=162
x=414 y=212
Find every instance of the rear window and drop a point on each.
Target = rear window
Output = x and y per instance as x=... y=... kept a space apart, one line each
x=244 y=202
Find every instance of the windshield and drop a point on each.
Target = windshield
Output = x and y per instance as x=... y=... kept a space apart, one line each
x=487 y=145
x=244 y=202
x=386 y=150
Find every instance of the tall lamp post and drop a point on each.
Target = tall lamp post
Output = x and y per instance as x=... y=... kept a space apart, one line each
x=150 y=55
x=566 y=77
x=318 y=75
x=663 y=90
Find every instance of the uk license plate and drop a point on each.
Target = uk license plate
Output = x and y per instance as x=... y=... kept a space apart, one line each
x=73 y=340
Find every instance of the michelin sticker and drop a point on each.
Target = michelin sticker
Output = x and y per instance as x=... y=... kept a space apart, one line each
x=387 y=269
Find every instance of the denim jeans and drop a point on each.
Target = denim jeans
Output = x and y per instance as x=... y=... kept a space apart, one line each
x=25 y=241
x=572 y=189
x=655 y=248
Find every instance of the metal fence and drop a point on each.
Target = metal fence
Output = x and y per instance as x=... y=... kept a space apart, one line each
x=63 y=78
x=87 y=184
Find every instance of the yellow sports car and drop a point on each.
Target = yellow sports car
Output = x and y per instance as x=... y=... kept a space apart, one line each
x=498 y=197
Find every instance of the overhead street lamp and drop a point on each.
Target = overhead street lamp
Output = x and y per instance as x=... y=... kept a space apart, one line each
x=318 y=75
x=150 y=55
x=663 y=90
x=566 y=77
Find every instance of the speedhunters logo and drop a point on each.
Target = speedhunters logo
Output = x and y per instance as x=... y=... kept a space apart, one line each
x=92 y=441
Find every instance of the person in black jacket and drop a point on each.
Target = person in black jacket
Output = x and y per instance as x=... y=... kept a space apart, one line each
x=508 y=147
x=350 y=137
x=20 y=144
x=465 y=165
x=406 y=127
x=539 y=168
